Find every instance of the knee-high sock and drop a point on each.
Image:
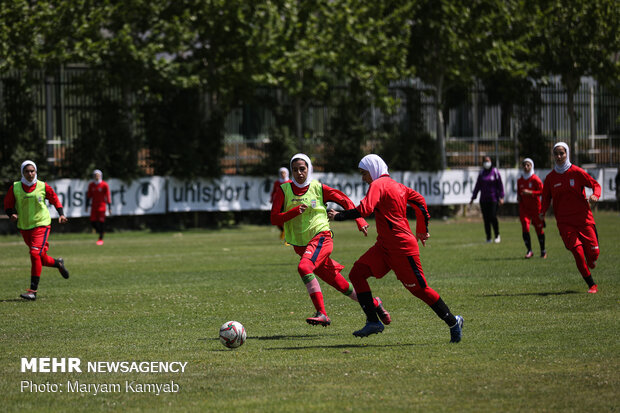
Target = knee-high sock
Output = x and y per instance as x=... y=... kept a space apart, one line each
x=528 y=241
x=314 y=290
x=368 y=306
x=541 y=241
x=441 y=309
x=34 y=283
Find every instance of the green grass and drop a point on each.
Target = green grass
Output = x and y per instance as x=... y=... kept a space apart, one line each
x=534 y=340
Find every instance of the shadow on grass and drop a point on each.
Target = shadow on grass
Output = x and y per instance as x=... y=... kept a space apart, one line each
x=278 y=337
x=500 y=259
x=542 y=294
x=14 y=300
x=345 y=346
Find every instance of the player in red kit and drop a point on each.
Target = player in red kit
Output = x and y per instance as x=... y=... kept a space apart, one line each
x=24 y=203
x=299 y=206
x=396 y=247
x=529 y=190
x=565 y=185
x=99 y=196
x=282 y=179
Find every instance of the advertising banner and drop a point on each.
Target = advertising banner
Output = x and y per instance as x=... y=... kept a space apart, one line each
x=159 y=195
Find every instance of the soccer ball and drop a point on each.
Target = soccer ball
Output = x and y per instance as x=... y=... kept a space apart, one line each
x=232 y=334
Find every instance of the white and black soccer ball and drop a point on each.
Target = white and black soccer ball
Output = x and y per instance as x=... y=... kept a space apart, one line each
x=232 y=334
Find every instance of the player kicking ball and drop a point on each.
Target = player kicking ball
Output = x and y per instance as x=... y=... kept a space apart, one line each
x=396 y=247
x=299 y=206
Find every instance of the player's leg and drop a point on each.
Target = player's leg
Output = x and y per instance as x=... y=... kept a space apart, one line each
x=494 y=222
x=539 y=226
x=589 y=238
x=371 y=264
x=485 y=208
x=525 y=229
x=409 y=272
x=35 y=268
x=330 y=272
x=306 y=268
x=570 y=236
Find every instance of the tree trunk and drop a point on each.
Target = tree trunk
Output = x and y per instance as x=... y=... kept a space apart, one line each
x=572 y=84
x=441 y=140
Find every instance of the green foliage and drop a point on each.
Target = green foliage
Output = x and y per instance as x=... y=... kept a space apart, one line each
x=19 y=137
x=280 y=148
x=184 y=142
x=406 y=147
x=348 y=131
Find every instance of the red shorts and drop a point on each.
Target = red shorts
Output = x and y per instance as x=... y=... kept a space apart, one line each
x=97 y=216
x=408 y=268
x=318 y=250
x=36 y=238
x=530 y=216
x=574 y=236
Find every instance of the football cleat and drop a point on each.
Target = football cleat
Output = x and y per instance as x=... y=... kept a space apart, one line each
x=498 y=239
x=369 y=328
x=529 y=254
x=60 y=264
x=543 y=255
x=319 y=319
x=29 y=295
x=456 y=331
x=100 y=242
x=593 y=289
x=382 y=312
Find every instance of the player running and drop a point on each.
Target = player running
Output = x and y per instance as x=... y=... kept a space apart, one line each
x=99 y=196
x=565 y=184
x=24 y=203
x=299 y=206
x=396 y=247
x=529 y=190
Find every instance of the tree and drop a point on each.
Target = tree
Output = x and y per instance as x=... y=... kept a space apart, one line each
x=577 y=38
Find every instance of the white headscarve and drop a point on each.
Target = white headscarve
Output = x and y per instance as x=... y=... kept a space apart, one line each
x=97 y=171
x=309 y=163
x=564 y=167
x=375 y=165
x=24 y=180
x=283 y=169
x=523 y=174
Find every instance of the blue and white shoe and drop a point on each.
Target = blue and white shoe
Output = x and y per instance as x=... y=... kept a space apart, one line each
x=369 y=328
x=456 y=331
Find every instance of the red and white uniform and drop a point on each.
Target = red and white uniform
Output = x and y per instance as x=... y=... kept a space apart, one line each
x=572 y=211
x=529 y=203
x=396 y=247
x=99 y=194
x=36 y=238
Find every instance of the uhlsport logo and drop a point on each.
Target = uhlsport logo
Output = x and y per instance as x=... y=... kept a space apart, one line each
x=147 y=196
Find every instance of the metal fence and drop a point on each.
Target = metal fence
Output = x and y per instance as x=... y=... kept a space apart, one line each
x=473 y=127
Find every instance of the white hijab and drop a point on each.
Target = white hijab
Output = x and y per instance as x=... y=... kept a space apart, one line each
x=97 y=171
x=564 y=167
x=310 y=170
x=523 y=174
x=283 y=169
x=375 y=165
x=24 y=180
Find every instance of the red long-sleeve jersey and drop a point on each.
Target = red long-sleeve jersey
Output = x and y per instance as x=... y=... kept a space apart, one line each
x=388 y=199
x=50 y=195
x=530 y=203
x=99 y=193
x=279 y=217
x=568 y=193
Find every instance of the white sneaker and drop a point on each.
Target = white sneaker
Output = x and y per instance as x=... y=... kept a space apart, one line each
x=498 y=239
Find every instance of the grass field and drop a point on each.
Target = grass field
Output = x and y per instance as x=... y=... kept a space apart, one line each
x=534 y=340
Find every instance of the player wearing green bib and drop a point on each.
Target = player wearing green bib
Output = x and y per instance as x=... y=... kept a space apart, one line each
x=299 y=206
x=24 y=204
